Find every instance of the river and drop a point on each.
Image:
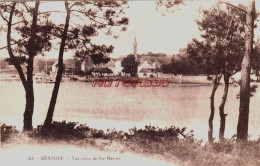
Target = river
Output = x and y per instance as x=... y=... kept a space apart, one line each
x=181 y=105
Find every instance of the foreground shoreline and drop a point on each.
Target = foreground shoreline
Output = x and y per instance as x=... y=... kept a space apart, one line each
x=171 y=145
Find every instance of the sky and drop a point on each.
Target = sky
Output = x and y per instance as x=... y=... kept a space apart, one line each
x=156 y=30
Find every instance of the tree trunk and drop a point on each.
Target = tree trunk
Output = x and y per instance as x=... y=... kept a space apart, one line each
x=221 y=109
x=27 y=84
x=212 y=108
x=29 y=107
x=55 y=91
x=28 y=113
x=242 y=127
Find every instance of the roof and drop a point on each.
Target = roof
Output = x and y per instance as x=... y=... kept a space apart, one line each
x=146 y=64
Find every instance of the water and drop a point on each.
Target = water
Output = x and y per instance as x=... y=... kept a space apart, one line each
x=123 y=108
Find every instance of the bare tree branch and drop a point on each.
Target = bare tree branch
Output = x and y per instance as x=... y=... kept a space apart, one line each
x=27 y=7
x=51 y=12
x=227 y=3
x=18 y=22
x=14 y=43
x=4 y=17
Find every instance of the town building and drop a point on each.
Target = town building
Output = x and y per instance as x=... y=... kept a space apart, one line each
x=148 y=69
x=149 y=65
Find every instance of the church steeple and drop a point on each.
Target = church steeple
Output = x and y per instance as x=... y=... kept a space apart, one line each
x=135 y=48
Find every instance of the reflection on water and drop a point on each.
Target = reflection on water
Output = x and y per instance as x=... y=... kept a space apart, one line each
x=123 y=108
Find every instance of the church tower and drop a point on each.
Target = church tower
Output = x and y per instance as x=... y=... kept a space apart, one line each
x=135 y=48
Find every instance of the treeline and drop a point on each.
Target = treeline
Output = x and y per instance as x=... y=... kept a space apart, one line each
x=184 y=64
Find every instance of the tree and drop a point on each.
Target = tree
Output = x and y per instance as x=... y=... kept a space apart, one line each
x=168 y=68
x=55 y=91
x=206 y=57
x=223 y=46
x=242 y=127
x=130 y=65
x=169 y=5
x=33 y=40
x=182 y=63
x=93 y=16
x=99 y=58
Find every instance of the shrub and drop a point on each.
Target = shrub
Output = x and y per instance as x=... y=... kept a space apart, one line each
x=7 y=132
x=156 y=133
x=62 y=131
x=172 y=143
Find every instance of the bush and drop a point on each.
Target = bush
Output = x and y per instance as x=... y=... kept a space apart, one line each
x=172 y=143
x=7 y=132
x=62 y=131
x=156 y=133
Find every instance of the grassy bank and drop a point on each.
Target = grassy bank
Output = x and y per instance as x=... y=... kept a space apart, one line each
x=173 y=144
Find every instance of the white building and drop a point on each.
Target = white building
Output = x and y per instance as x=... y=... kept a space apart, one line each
x=147 y=70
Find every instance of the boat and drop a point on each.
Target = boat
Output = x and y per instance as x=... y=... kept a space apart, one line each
x=44 y=78
x=73 y=77
x=82 y=78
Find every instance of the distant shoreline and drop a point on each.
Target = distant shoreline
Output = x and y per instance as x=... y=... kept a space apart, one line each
x=174 y=79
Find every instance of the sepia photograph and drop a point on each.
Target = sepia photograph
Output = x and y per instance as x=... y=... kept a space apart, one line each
x=130 y=82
